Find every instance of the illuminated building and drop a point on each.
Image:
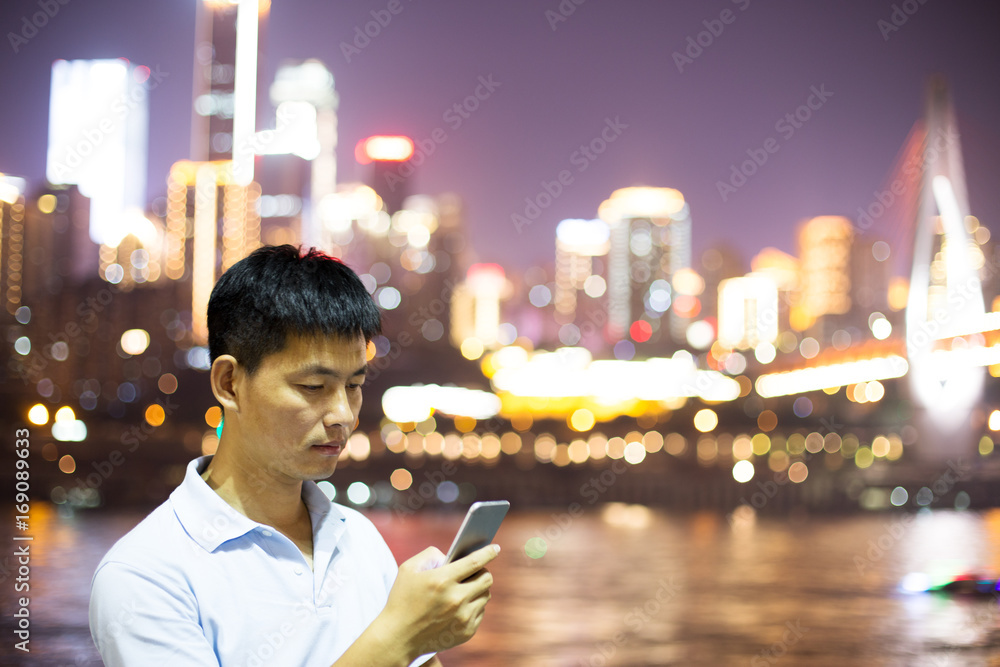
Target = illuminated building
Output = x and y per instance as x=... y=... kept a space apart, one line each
x=825 y=261
x=718 y=262
x=870 y=275
x=11 y=240
x=226 y=58
x=650 y=242
x=284 y=199
x=475 y=306
x=391 y=167
x=196 y=191
x=57 y=239
x=98 y=126
x=748 y=311
x=783 y=269
x=306 y=127
x=137 y=257
x=351 y=207
x=577 y=243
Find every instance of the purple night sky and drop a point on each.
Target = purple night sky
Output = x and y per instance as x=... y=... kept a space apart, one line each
x=557 y=87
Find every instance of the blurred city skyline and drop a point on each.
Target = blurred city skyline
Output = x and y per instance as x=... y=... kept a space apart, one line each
x=639 y=309
x=686 y=112
x=675 y=278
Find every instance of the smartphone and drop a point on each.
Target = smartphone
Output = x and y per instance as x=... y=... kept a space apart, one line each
x=480 y=525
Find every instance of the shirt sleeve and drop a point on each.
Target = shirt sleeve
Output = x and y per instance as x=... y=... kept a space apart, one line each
x=136 y=621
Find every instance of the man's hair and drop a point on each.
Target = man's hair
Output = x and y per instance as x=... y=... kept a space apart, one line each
x=276 y=291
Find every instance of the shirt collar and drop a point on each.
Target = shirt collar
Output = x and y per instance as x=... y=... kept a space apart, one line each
x=211 y=521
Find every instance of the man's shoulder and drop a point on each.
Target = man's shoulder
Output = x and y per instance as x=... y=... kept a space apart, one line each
x=156 y=540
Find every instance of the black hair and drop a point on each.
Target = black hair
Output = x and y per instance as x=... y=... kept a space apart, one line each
x=276 y=291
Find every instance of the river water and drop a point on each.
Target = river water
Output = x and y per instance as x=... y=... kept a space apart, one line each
x=628 y=585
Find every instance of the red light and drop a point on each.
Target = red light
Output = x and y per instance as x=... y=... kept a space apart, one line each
x=485 y=276
x=485 y=269
x=141 y=73
x=640 y=331
x=384 y=149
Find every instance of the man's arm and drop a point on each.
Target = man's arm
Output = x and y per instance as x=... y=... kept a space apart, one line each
x=428 y=610
x=137 y=620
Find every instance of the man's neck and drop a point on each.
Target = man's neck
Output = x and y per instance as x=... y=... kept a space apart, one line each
x=256 y=494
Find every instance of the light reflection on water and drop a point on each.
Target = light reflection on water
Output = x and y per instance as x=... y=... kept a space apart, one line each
x=630 y=586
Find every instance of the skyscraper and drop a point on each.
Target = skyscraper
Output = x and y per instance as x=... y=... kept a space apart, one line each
x=98 y=127
x=748 y=311
x=226 y=59
x=195 y=191
x=578 y=242
x=650 y=242
x=213 y=199
x=11 y=240
x=825 y=261
x=306 y=127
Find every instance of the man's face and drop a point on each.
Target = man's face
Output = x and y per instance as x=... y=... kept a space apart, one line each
x=298 y=409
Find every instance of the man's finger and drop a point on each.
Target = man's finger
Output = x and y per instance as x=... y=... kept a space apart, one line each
x=477 y=583
x=466 y=566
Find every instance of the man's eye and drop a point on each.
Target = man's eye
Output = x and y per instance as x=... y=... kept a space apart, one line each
x=311 y=387
x=356 y=385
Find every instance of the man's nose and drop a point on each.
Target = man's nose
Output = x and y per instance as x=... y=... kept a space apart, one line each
x=338 y=410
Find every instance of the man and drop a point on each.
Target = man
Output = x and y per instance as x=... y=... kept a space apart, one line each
x=248 y=563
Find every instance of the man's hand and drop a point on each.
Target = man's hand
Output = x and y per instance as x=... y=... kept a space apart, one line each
x=433 y=608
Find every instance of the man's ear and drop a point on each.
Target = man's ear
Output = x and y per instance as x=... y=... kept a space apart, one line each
x=225 y=374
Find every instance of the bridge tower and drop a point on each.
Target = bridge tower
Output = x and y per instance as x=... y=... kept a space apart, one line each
x=945 y=298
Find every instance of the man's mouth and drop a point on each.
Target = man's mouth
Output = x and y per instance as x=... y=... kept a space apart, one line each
x=330 y=448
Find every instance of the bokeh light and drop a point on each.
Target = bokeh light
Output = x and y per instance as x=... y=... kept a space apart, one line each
x=401 y=479
x=743 y=471
x=155 y=415
x=705 y=420
x=38 y=414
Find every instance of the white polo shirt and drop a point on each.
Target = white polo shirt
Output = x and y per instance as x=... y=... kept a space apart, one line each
x=198 y=583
